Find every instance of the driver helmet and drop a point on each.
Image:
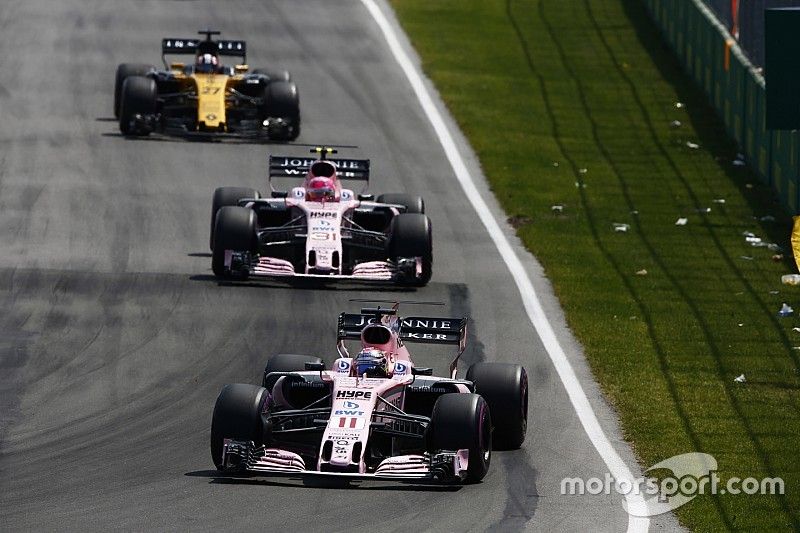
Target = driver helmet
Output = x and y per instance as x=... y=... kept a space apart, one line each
x=372 y=362
x=320 y=189
x=206 y=63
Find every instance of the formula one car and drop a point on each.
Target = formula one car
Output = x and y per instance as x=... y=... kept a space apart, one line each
x=320 y=229
x=375 y=414
x=206 y=99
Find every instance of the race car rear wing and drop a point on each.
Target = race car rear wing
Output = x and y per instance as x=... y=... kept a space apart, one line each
x=286 y=166
x=428 y=330
x=172 y=45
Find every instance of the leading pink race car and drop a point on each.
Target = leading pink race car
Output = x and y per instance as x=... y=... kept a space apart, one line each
x=320 y=229
x=373 y=414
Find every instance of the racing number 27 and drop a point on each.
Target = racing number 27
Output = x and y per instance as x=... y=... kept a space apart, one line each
x=210 y=90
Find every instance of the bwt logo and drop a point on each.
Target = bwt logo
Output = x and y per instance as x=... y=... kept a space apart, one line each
x=348 y=412
x=353 y=394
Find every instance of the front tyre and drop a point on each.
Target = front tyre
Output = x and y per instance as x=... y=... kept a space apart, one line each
x=224 y=196
x=282 y=101
x=235 y=230
x=410 y=235
x=505 y=389
x=237 y=416
x=463 y=421
x=138 y=98
x=124 y=71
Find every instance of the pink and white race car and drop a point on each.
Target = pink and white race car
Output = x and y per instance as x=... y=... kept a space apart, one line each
x=320 y=229
x=373 y=414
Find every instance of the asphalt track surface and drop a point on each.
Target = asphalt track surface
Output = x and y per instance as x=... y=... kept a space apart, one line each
x=115 y=339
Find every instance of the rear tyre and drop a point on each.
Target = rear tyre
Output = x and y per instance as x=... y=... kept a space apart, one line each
x=227 y=196
x=287 y=362
x=138 y=98
x=463 y=421
x=281 y=100
x=273 y=75
x=235 y=229
x=410 y=236
x=505 y=389
x=237 y=415
x=124 y=71
x=414 y=204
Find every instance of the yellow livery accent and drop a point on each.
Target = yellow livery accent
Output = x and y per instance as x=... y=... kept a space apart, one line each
x=210 y=100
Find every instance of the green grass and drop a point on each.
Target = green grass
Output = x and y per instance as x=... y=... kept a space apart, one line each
x=544 y=89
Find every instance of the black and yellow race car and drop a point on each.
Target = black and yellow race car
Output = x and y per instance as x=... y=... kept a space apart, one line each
x=206 y=98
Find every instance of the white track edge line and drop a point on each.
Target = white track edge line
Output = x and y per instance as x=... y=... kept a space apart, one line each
x=580 y=402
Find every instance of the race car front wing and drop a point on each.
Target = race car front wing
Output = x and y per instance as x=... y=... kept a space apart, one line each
x=443 y=466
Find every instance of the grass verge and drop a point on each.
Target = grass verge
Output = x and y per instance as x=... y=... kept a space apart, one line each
x=572 y=103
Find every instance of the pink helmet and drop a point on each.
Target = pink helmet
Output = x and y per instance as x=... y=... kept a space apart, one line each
x=321 y=189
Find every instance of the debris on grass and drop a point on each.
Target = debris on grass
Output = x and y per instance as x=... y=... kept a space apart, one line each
x=740 y=379
x=704 y=210
x=740 y=324
x=682 y=221
x=558 y=208
x=738 y=163
x=621 y=227
x=580 y=185
x=635 y=212
x=790 y=279
x=679 y=105
x=642 y=272
x=767 y=218
x=774 y=292
x=777 y=258
x=517 y=221
x=785 y=310
x=796 y=330
x=691 y=145
x=746 y=257
x=718 y=200
x=583 y=170
x=772 y=247
x=748 y=185
x=675 y=124
x=555 y=163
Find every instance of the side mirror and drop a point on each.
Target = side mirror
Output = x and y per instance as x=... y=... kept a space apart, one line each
x=421 y=371
x=319 y=367
x=177 y=65
x=366 y=197
x=241 y=69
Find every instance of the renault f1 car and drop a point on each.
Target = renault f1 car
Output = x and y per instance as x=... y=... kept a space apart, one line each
x=374 y=414
x=206 y=98
x=320 y=229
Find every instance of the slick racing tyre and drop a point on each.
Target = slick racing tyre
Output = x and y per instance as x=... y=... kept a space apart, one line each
x=273 y=75
x=235 y=229
x=237 y=415
x=138 y=98
x=281 y=100
x=505 y=389
x=227 y=196
x=410 y=236
x=463 y=421
x=123 y=72
x=286 y=362
x=414 y=204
